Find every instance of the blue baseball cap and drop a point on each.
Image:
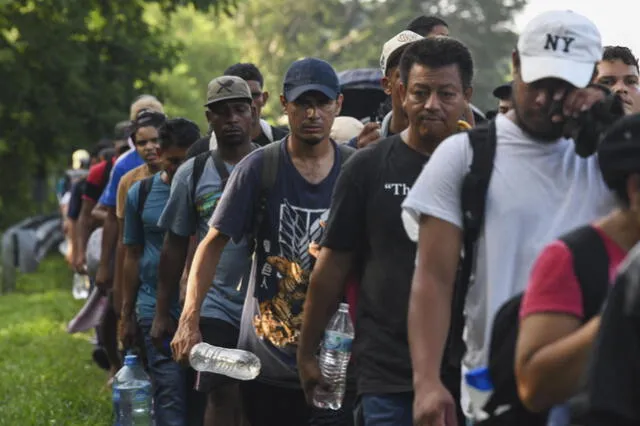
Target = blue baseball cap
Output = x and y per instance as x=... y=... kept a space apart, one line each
x=310 y=74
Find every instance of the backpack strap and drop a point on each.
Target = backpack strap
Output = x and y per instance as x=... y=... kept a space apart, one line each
x=143 y=193
x=270 y=164
x=591 y=267
x=221 y=168
x=199 y=162
x=473 y=200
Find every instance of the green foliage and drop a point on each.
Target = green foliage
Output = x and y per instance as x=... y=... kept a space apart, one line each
x=206 y=47
x=48 y=377
x=68 y=72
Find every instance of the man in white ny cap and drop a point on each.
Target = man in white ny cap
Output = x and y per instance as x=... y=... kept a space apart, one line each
x=396 y=120
x=539 y=189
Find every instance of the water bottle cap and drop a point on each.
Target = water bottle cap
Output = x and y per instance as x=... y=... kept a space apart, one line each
x=130 y=360
x=344 y=307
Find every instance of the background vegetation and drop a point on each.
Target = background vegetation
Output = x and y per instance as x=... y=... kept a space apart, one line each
x=47 y=376
x=69 y=69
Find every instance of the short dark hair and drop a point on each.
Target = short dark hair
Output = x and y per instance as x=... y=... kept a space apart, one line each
x=423 y=25
x=438 y=52
x=612 y=53
x=245 y=71
x=102 y=144
x=178 y=132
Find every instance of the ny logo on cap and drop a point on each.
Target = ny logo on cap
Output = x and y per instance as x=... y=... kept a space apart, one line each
x=552 y=42
x=225 y=85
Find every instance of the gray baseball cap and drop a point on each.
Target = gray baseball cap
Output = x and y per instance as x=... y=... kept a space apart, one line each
x=227 y=88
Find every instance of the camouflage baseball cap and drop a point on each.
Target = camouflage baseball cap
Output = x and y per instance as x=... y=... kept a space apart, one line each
x=227 y=88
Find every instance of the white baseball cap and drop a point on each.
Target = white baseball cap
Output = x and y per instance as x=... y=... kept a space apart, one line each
x=559 y=44
x=395 y=43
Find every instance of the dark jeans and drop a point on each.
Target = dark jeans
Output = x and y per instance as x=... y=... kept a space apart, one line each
x=267 y=405
x=170 y=383
x=393 y=409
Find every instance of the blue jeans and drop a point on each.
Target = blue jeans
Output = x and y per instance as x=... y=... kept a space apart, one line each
x=394 y=409
x=169 y=383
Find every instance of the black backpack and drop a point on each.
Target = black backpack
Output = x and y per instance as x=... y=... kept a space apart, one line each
x=505 y=326
x=591 y=267
x=271 y=162
x=199 y=162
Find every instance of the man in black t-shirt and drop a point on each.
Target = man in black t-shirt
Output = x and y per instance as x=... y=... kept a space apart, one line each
x=365 y=224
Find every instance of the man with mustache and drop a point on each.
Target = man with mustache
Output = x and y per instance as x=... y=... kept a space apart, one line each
x=365 y=228
x=188 y=210
x=539 y=189
x=280 y=221
x=618 y=70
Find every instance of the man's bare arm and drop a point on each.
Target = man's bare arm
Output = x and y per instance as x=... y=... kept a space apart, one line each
x=203 y=270
x=172 y=263
x=326 y=286
x=86 y=225
x=100 y=213
x=104 y=277
x=130 y=279
x=431 y=296
x=551 y=358
x=191 y=251
x=118 y=267
x=129 y=290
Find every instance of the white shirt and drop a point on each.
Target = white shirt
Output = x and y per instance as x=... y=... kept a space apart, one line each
x=538 y=191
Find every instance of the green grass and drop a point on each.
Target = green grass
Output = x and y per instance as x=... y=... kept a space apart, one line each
x=47 y=376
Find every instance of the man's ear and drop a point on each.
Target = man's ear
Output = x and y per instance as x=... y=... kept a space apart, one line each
x=468 y=93
x=633 y=191
x=339 y=102
x=207 y=114
x=265 y=97
x=402 y=89
x=283 y=103
x=515 y=63
x=386 y=85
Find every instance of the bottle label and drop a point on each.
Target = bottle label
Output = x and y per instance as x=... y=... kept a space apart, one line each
x=336 y=341
x=142 y=394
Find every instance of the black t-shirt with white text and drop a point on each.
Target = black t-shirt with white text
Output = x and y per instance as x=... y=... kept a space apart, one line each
x=365 y=220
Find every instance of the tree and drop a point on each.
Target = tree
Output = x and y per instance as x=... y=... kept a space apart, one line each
x=350 y=34
x=69 y=71
x=205 y=47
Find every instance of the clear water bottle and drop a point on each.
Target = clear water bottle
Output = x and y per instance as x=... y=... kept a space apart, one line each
x=334 y=359
x=132 y=394
x=235 y=363
x=81 y=285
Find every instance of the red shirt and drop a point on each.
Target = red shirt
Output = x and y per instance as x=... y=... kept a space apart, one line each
x=96 y=181
x=553 y=286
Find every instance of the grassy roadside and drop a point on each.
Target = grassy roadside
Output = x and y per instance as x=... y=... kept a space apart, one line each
x=47 y=376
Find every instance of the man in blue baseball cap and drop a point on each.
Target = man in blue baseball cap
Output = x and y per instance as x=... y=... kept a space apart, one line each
x=277 y=197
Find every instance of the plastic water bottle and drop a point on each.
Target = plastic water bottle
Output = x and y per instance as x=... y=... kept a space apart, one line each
x=334 y=359
x=81 y=286
x=132 y=394
x=235 y=363
x=480 y=389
